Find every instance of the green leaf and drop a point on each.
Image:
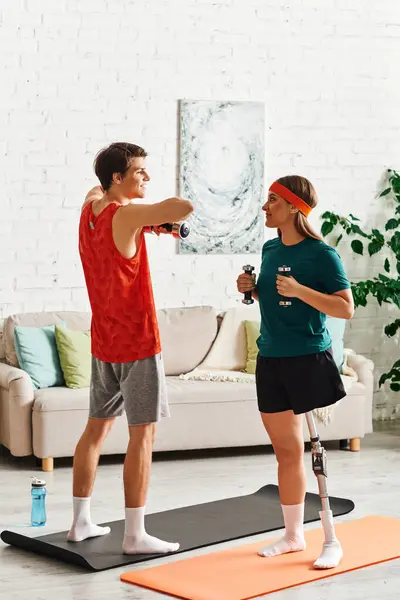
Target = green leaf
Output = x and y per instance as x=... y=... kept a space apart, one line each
x=391 y=329
x=385 y=192
x=395 y=242
x=383 y=378
x=379 y=236
x=391 y=224
x=398 y=267
x=326 y=215
x=357 y=246
x=339 y=238
x=374 y=247
x=396 y=364
x=395 y=387
x=353 y=217
x=395 y=181
x=383 y=278
x=326 y=228
x=356 y=229
x=387 y=266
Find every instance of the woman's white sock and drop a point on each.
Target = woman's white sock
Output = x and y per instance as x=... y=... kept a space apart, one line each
x=293 y=540
x=332 y=552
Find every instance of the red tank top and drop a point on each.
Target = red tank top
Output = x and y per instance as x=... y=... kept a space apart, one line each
x=124 y=320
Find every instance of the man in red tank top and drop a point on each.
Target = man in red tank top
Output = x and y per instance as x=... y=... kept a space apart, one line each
x=127 y=367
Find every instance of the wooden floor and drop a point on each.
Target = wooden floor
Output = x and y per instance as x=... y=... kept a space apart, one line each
x=370 y=478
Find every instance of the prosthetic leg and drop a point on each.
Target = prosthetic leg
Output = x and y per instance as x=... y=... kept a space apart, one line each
x=332 y=551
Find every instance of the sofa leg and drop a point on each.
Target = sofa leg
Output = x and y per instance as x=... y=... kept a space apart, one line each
x=355 y=445
x=48 y=464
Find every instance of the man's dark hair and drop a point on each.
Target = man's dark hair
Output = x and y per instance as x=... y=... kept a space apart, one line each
x=116 y=158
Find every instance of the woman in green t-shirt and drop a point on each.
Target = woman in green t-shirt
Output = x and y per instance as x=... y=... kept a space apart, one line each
x=301 y=281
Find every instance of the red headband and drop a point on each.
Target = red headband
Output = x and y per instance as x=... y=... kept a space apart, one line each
x=283 y=191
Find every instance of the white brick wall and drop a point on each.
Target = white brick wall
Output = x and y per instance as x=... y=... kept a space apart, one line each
x=76 y=75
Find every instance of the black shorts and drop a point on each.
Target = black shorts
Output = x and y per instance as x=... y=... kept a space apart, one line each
x=299 y=383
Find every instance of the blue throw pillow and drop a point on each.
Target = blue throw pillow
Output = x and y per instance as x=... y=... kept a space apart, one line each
x=336 y=328
x=37 y=354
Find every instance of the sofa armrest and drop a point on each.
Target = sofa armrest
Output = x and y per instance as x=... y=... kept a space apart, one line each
x=17 y=397
x=364 y=367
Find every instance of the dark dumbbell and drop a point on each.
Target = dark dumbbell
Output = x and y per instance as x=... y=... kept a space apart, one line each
x=285 y=271
x=248 y=299
x=177 y=230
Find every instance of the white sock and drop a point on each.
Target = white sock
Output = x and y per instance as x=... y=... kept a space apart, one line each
x=82 y=526
x=332 y=552
x=293 y=540
x=137 y=541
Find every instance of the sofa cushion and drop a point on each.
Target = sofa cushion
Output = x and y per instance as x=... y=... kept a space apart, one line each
x=61 y=399
x=74 y=351
x=336 y=328
x=229 y=351
x=252 y=329
x=78 y=321
x=179 y=392
x=187 y=335
x=37 y=354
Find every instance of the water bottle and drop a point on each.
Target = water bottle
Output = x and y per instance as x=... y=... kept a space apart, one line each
x=38 y=493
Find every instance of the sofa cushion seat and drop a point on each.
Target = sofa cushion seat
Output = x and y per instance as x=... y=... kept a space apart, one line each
x=61 y=399
x=180 y=391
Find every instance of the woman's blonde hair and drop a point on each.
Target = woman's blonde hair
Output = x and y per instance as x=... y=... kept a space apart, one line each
x=305 y=190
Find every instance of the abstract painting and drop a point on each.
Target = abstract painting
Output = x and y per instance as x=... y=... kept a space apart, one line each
x=222 y=173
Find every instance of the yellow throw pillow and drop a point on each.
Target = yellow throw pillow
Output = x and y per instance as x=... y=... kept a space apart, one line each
x=74 y=351
x=252 y=334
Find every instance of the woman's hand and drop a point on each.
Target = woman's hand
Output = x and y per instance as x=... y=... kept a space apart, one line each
x=246 y=282
x=288 y=286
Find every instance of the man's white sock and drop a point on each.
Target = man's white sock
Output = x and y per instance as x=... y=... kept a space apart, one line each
x=82 y=526
x=137 y=541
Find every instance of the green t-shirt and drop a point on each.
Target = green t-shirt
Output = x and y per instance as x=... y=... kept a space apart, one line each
x=298 y=329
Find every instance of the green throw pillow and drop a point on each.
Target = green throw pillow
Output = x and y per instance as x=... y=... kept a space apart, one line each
x=37 y=355
x=252 y=333
x=74 y=350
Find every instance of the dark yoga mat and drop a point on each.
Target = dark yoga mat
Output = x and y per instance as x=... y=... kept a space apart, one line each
x=193 y=526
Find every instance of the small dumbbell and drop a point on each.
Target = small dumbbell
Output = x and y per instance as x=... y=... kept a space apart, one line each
x=284 y=270
x=177 y=230
x=248 y=269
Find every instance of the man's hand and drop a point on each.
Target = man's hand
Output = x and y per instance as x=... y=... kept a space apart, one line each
x=288 y=286
x=157 y=229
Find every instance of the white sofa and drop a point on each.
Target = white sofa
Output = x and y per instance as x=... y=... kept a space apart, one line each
x=205 y=413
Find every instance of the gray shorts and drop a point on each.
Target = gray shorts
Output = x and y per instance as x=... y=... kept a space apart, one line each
x=137 y=387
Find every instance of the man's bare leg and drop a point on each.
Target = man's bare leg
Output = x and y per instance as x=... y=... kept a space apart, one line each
x=137 y=468
x=86 y=459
